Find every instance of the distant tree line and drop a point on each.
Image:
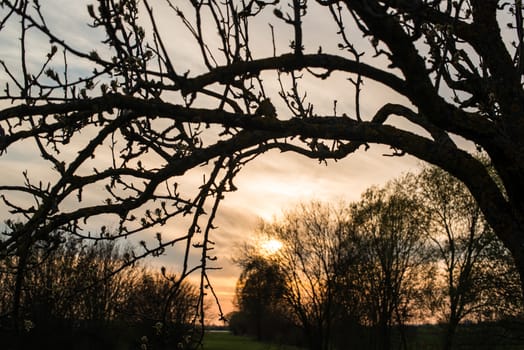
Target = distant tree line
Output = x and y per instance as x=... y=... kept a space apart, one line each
x=361 y=275
x=76 y=295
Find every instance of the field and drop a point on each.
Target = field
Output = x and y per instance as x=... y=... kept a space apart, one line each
x=470 y=337
x=227 y=341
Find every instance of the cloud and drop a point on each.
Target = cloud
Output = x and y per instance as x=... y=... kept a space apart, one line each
x=276 y=182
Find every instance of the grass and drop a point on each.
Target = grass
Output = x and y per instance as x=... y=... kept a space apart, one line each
x=428 y=337
x=228 y=341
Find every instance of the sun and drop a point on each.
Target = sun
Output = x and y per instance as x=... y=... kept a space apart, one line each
x=270 y=246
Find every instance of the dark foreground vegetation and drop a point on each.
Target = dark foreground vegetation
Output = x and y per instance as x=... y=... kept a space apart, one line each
x=506 y=335
x=359 y=276
x=70 y=298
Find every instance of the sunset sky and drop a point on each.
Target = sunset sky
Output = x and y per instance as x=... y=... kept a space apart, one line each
x=271 y=183
x=277 y=182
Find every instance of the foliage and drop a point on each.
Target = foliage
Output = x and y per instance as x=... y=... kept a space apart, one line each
x=72 y=292
x=388 y=262
x=361 y=265
x=259 y=294
x=359 y=275
x=476 y=272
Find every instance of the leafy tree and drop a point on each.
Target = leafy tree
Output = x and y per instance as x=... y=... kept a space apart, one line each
x=29 y=281
x=106 y=290
x=260 y=293
x=356 y=275
x=502 y=293
x=448 y=67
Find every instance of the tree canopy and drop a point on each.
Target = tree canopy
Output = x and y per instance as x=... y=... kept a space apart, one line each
x=370 y=274
x=124 y=118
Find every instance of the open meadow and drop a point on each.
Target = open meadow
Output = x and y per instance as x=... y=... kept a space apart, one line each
x=422 y=337
x=227 y=341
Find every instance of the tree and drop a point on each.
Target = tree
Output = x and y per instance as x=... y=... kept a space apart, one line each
x=298 y=281
x=36 y=283
x=389 y=264
x=503 y=293
x=260 y=293
x=163 y=307
x=345 y=269
x=453 y=67
x=72 y=299
x=312 y=235
x=471 y=256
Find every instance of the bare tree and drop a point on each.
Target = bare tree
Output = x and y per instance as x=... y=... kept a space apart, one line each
x=312 y=235
x=466 y=247
x=367 y=263
x=389 y=262
x=71 y=297
x=453 y=67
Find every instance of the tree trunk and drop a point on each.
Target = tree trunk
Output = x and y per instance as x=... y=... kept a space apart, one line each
x=17 y=296
x=384 y=337
x=403 y=337
x=451 y=329
x=514 y=241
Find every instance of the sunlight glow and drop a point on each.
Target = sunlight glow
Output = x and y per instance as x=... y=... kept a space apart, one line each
x=270 y=246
